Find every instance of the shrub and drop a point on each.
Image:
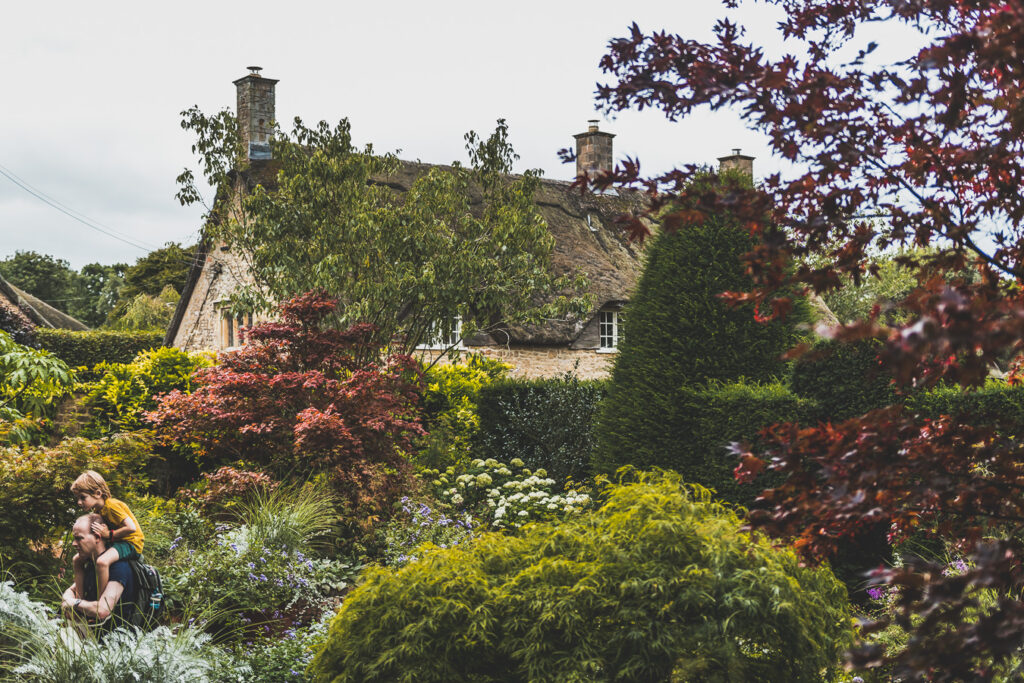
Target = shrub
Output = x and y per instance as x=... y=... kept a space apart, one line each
x=296 y=398
x=418 y=528
x=35 y=481
x=546 y=423
x=845 y=379
x=679 y=333
x=283 y=658
x=31 y=382
x=505 y=496
x=996 y=403
x=703 y=421
x=450 y=409
x=117 y=399
x=14 y=322
x=97 y=346
x=659 y=580
x=222 y=491
x=261 y=573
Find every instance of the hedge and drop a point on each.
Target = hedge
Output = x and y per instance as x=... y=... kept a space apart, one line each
x=546 y=423
x=994 y=404
x=693 y=438
x=844 y=379
x=97 y=346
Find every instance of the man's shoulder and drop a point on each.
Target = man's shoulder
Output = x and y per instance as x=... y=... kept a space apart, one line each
x=121 y=571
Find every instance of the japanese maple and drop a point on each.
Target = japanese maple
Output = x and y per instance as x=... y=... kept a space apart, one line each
x=295 y=400
x=924 y=149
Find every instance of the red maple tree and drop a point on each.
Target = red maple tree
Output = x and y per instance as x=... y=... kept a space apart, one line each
x=932 y=141
x=295 y=400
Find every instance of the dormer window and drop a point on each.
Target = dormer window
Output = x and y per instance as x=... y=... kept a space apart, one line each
x=610 y=330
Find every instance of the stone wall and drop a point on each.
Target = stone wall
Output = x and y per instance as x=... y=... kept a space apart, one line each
x=546 y=361
x=223 y=274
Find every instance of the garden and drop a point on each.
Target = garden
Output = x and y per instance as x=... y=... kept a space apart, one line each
x=805 y=465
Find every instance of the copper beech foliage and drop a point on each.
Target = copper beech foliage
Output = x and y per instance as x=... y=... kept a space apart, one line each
x=923 y=146
x=294 y=399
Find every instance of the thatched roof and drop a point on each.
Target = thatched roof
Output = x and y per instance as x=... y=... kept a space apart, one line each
x=38 y=311
x=587 y=240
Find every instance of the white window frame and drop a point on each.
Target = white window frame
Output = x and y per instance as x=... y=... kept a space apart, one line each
x=437 y=341
x=609 y=331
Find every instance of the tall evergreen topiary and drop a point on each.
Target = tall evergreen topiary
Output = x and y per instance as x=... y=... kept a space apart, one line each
x=678 y=333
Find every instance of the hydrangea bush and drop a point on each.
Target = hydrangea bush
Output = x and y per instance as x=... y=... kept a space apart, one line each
x=505 y=496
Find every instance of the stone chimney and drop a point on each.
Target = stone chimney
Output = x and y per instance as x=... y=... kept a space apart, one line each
x=738 y=161
x=593 y=150
x=255 y=112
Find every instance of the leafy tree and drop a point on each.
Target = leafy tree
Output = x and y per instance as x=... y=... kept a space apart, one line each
x=151 y=275
x=146 y=312
x=679 y=334
x=296 y=399
x=659 y=584
x=930 y=136
x=464 y=241
x=100 y=286
x=43 y=276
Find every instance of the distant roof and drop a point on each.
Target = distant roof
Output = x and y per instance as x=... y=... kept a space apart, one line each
x=587 y=240
x=38 y=311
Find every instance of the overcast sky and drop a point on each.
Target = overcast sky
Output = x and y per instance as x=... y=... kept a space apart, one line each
x=92 y=94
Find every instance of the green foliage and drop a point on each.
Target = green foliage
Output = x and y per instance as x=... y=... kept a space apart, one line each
x=993 y=404
x=152 y=274
x=284 y=657
x=116 y=400
x=41 y=648
x=261 y=570
x=43 y=276
x=546 y=423
x=31 y=383
x=465 y=241
x=100 y=287
x=660 y=581
x=34 y=487
x=679 y=333
x=692 y=435
x=450 y=409
x=97 y=346
x=418 y=528
x=148 y=312
x=845 y=379
x=504 y=496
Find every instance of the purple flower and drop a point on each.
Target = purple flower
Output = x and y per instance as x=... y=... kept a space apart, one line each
x=876 y=593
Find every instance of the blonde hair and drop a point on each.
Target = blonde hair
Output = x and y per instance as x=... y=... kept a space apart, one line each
x=91 y=482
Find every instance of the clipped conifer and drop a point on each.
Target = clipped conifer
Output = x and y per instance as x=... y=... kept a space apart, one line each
x=679 y=333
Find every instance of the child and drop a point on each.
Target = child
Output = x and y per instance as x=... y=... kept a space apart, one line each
x=122 y=532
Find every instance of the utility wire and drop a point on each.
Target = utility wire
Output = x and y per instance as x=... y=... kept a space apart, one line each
x=71 y=213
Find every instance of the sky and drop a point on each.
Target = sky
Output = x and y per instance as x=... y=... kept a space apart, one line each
x=92 y=96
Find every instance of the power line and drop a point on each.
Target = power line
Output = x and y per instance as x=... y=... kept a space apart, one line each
x=71 y=213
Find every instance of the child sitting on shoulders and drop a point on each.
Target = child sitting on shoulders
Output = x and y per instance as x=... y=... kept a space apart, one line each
x=122 y=533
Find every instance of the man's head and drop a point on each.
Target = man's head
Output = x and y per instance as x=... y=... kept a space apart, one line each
x=86 y=542
x=90 y=490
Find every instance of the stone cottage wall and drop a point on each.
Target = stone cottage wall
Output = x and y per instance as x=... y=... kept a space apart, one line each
x=545 y=361
x=223 y=273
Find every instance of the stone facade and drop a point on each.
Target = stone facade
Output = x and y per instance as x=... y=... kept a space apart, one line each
x=538 y=361
x=202 y=325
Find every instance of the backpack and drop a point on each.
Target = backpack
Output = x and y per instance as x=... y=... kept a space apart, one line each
x=149 y=595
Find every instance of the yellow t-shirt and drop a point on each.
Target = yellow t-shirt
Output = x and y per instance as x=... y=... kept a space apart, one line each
x=115 y=512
